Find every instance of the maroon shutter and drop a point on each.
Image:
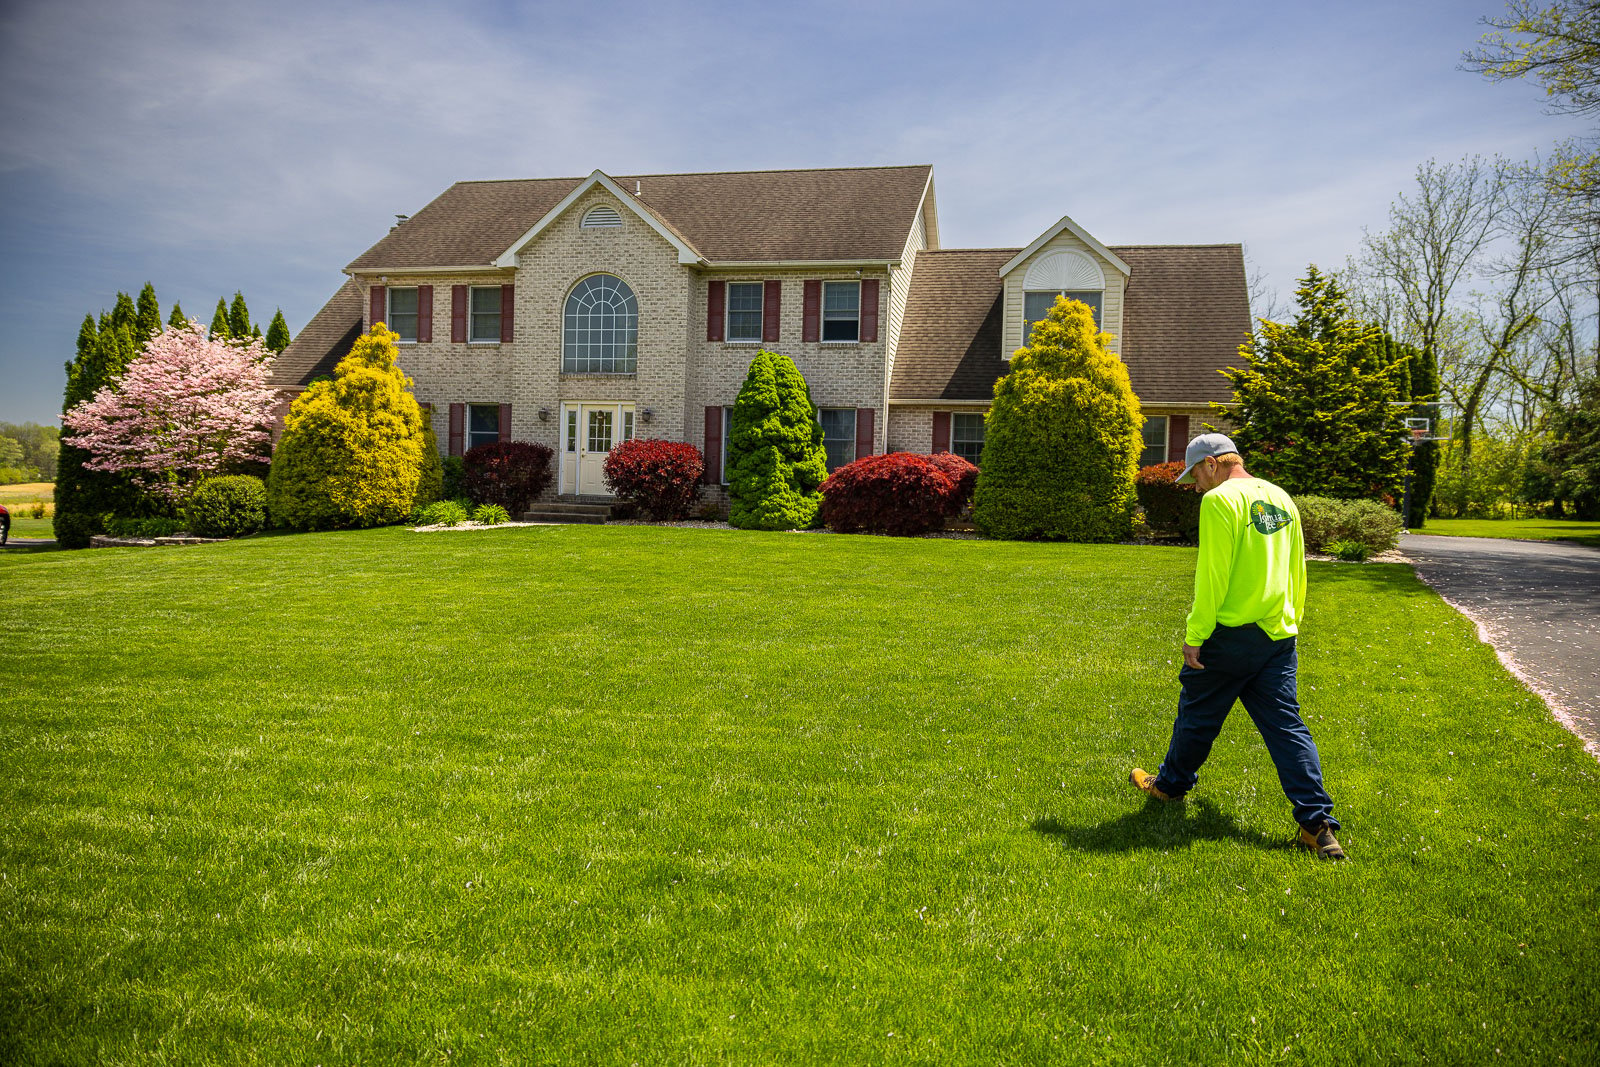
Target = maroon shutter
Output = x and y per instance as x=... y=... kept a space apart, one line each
x=508 y=299
x=864 y=418
x=505 y=422
x=941 y=431
x=458 y=427
x=1177 y=437
x=380 y=306
x=716 y=304
x=424 y=313
x=458 y=314
x=812 y=312
x=771 y=309
x=869 y=309
x=713 y=471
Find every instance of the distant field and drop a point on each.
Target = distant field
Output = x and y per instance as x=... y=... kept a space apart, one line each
x=1585 y=533
x=17 y=497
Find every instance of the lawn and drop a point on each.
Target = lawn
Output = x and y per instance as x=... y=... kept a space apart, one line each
x=17 y=499
x=1584 y=533
x=640 y=794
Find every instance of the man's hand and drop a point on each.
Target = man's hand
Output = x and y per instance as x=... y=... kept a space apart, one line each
x=1191 y=657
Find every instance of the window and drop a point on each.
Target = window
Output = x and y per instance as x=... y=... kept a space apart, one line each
x=744 y=311
x=841 y=311
x=1155 y=440
x=727 y=430
x=485 y=313
x=601 y=218
x=966 y=436
x=1036 y=306
x=483 y=424
x=839 y=436
x=403 y=312
x=602 y=328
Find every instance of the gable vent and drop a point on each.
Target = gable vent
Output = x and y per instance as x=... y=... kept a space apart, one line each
x=601 y=218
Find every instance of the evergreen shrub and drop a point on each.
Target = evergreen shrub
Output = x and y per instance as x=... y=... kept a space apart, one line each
x=963 y=474
x=776 y=462
x=1324 y=520
x=452 y=477
x=490 y=515
x=229 y=506
x=901 y=493
x=144 y=526
x=661 y=478
x=1062 y=439
x=1169 y=508
x=508 y=473
x=430 y=482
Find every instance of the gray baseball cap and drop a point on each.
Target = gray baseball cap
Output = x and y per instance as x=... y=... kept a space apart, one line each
x=1207 y=444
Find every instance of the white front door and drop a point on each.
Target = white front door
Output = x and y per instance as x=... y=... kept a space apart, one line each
x=588 y=433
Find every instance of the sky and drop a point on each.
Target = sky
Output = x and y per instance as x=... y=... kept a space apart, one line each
x=214 y=146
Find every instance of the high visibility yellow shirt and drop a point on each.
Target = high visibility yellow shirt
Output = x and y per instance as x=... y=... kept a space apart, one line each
x=1252 y=566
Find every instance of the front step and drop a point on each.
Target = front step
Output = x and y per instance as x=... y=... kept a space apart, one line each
x=567 y=512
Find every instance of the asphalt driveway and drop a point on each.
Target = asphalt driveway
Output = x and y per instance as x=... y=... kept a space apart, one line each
x=1538 y=603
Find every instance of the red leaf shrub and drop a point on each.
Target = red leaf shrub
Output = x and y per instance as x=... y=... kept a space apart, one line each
x=901 y=493
x=508 y=473
x=1168 y=506
x=659 y=477
x=963 y=474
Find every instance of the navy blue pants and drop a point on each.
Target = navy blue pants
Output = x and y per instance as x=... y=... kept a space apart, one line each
x=1243 y=663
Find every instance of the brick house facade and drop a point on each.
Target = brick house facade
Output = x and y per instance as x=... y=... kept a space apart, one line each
x=579 y=312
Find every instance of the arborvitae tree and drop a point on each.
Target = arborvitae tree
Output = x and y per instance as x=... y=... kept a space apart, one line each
x=1424 y=368
x=125 y=315
x=219 y=321
x=239 y=324
x=353 y=450
x=1316 y=410
x=177 y=319
x=776 y=461
x=278 y=333
x=1061 y=440
x=148 y=315
x=83 y=497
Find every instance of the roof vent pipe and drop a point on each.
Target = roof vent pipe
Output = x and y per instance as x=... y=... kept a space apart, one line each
x=638 y=189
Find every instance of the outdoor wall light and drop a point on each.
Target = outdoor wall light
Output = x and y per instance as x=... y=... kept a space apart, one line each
x=646 y=415
x=544 y=414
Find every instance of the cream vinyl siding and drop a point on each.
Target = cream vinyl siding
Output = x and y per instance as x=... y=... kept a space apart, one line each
x=1110 y=308
x=900 y=290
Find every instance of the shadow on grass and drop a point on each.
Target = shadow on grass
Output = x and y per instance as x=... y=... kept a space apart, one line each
x=1158 y=826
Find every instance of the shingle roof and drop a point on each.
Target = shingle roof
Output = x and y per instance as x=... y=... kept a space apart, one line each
x=1185 y=312
x=737 y=216
x=324 y=341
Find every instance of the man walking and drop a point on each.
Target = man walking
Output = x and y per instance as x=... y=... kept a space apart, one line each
x=1249 y=590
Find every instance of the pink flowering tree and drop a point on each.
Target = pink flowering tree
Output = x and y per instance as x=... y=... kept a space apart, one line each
x=186 y=408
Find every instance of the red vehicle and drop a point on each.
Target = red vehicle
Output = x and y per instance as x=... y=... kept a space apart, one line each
x=5 y=524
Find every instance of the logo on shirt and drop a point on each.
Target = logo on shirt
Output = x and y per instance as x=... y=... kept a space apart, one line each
x=1267 y=518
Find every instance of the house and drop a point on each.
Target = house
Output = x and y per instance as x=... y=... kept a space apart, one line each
x=580 y=312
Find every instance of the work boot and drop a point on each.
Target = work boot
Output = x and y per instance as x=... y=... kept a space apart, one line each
x=1320 y=839
x=1146 y=781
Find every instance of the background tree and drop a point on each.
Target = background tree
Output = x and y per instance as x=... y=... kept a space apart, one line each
x=776 y=461
x=219 y=322
x=84 y=497
x=278 y=333
x=353 y=449
x=239 y=324
x=1315 y=398
x=1061 y=440
x=148 y=314
x=1566 y=468
x=177 y=319
x=184 y=409
x=40 y=445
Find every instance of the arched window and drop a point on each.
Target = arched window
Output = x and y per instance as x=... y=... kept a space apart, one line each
x=602 y=327
x=1068 y=273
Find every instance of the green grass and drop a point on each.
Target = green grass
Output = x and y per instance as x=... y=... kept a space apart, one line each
x=636 y=794
x=17 y=497
x=1584 y=533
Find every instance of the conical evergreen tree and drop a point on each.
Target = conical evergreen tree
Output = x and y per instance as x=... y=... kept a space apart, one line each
x=1315 y=401
x=278 y=332
x=776 y=461
x=177 y=319
x=1061 y=442
x=83 y=498
x=219 y=321
x=1424 y=388
x=125 y=316
x=239 y=317
x=149 y=314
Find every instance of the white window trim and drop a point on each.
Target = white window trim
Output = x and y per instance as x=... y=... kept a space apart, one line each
x=1026 y=326
x=467 y=436
x=1166 y=438
x=470 y=290
x=638 y=319
x=388 y=308
x=822 y=311
x=855 y=441
x=952 y=444
x=727 y=316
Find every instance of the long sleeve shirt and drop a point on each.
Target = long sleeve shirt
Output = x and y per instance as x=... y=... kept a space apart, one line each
x=1252 y=565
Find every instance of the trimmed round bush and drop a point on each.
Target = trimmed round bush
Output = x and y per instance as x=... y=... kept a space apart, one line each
x=1168 y=507
x=508 y=473
x=1324 y=520
x=901 y=493
x=661 y=478
x=443 y=513
x=229 y=506
x=490 y=515
x=963 y=474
